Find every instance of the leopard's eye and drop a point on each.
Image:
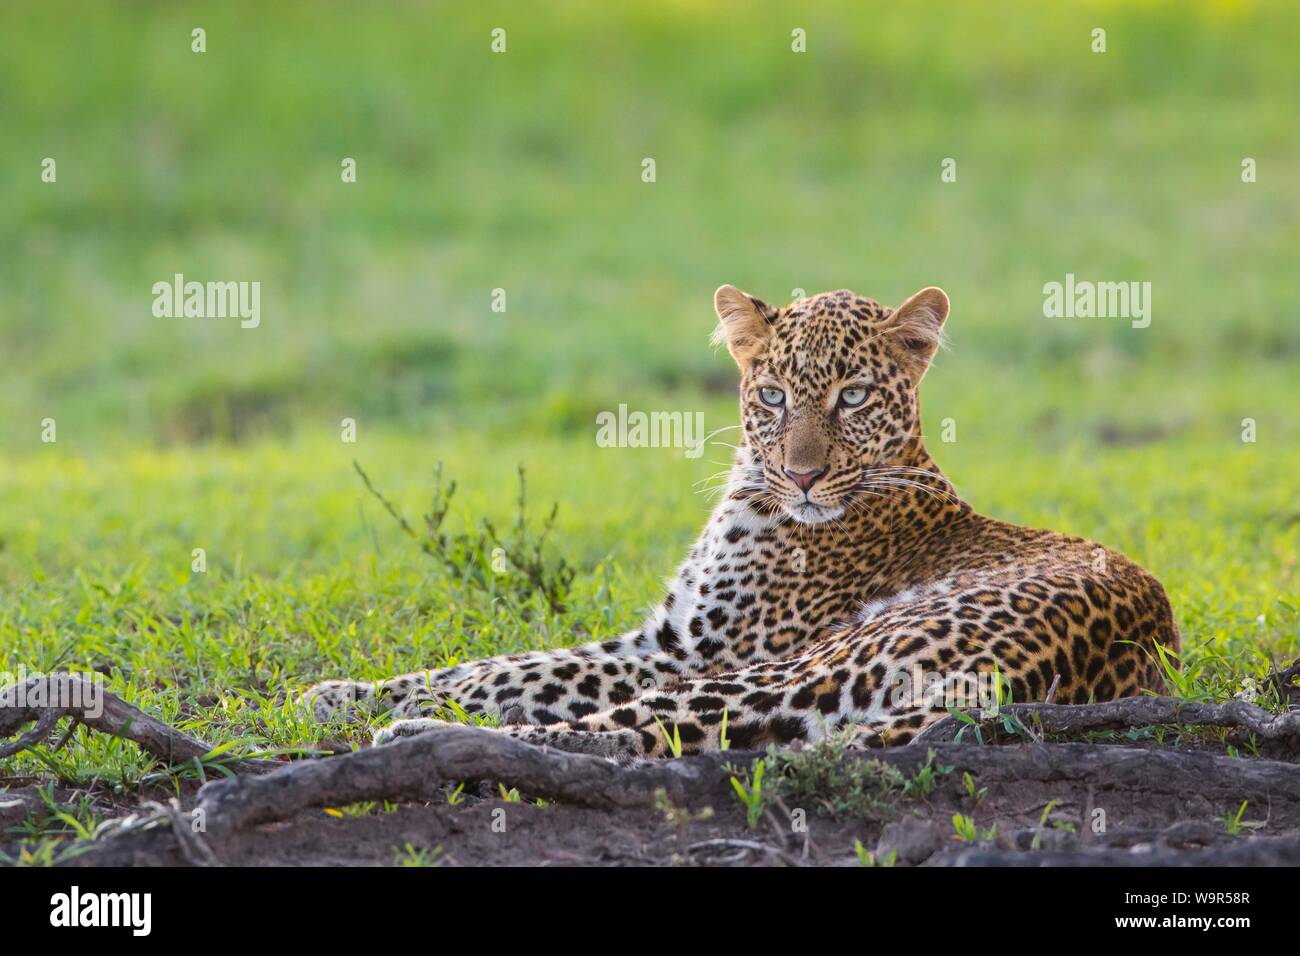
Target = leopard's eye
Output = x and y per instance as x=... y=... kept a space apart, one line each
x=772 y=396
x=853 y=397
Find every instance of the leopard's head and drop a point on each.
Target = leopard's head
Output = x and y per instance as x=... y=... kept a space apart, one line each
x=828 y=391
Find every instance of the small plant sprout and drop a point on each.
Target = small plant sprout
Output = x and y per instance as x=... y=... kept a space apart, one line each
x=867 y=858
x=723 y=743
x=969 y=722
x=926 y=779
x=1235 y=825
x=975 y=795
x=751 y=796
x=998 y=689
x=415 y=856
x=964 y=829
x=1037 y=842
x=673 y=740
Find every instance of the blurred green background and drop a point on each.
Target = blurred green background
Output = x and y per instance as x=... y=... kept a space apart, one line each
x=776 y=170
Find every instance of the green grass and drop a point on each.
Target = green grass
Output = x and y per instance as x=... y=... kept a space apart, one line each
x=522 y=172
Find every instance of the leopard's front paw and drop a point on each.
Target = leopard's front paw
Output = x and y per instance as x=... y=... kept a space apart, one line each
x=334 y=698
x=406 y=728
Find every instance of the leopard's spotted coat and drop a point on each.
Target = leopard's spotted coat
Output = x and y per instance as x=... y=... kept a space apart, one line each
x=856 y=601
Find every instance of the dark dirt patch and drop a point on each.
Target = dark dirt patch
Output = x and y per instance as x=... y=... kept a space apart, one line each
x=485 y=830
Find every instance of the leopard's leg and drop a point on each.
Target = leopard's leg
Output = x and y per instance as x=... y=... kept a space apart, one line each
x=620 y=746
x=538 y=687
x=333 y=698
x=759 y=704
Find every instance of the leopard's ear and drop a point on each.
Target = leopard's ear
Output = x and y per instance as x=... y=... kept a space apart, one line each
x=744 y=324
x=917 y=327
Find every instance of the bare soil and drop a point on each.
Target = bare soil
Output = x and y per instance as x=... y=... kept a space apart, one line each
x=1114 y=824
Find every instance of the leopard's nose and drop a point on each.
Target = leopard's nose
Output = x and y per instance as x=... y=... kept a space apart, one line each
x=805 y=479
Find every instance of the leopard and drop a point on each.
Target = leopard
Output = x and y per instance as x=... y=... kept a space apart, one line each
x=840 y=584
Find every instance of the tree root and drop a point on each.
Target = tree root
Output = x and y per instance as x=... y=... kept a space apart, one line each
x=48 y=699
x=1128 y=713
x=412 y=767
x=266 y=791
x=1257 y=851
